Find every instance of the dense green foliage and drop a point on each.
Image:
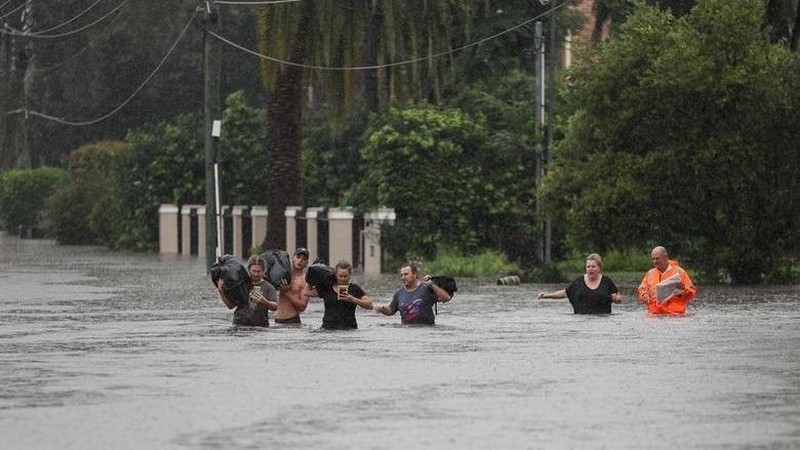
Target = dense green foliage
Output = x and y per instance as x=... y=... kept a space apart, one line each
x=682 y=138
x=431 y=166
x=165 y=163
x=505 y=106
x=23 y=193
x=87 y=210
x=331 y=160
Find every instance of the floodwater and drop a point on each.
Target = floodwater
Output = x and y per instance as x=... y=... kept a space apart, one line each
x=108 y=350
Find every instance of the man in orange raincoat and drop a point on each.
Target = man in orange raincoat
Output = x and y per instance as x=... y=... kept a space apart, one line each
x=664 y=269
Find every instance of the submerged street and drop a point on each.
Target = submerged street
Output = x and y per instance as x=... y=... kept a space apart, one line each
x=111 y=350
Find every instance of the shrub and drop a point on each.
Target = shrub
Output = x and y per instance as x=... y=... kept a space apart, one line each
x=86 y=211
x=23 y=193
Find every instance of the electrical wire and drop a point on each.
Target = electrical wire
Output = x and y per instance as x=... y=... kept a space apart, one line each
x=45 y=70
x=120 y=106
x=5 y=3
x=13 y=32
x=63 y=121
x=14 y=10
x=392 y=64
x=266 y=2
x=68 y=21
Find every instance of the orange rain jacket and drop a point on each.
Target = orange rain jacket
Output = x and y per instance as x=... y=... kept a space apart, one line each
x=674 y=305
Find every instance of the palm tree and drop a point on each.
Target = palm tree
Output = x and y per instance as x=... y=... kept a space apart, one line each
x=346 y=33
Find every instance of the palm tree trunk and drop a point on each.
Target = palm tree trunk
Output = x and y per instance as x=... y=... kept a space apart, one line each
x=796 y=29
x=285 y=117
x=371 y=93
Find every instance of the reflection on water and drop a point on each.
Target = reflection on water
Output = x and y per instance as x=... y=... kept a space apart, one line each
x=106 y=350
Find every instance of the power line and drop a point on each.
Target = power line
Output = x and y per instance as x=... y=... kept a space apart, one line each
x=68 y=21
x=267 y=2
x=393 y=64
x=47 y=69
x=120 y=106
x=5 y=3
x=13 y=10
x=13 y=32
x=63 y=121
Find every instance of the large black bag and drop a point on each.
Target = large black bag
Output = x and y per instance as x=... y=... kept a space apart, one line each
x=279 y=268
x=237 y=279
x=320 y=276
x=446 y=283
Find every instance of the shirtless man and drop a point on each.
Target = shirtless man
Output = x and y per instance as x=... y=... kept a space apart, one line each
x=293 y=298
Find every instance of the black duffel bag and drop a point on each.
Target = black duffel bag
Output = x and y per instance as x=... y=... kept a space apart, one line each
x=446 y=283
x=237 y=279
x=320 y=276
x=279 y=267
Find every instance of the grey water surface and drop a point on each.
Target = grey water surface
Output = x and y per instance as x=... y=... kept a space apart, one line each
x=127 y=351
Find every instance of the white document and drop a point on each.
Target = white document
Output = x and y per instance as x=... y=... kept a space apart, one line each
x=666 y=288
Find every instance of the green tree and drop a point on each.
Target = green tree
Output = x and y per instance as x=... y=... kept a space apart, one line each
x=429 y=165
x=506 y=107
x=684 y=137
x=165 y=163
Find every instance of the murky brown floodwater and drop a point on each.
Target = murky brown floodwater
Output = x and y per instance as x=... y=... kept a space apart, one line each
x=106 y=350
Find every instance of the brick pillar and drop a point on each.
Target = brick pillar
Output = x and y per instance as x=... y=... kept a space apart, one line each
x=237 y=230
x=373 y=254
x=312 y=234
x=168 y=229
x=259 y=216
x=340 y=235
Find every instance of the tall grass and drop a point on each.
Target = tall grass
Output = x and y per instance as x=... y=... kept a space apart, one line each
x=486 y=264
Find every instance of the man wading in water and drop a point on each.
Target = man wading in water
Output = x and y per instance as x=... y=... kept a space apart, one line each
x=293 y=298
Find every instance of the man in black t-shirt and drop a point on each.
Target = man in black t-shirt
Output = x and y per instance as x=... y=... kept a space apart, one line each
x=341 y=300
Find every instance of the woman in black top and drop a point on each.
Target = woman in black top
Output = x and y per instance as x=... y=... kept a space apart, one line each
x=591 y=293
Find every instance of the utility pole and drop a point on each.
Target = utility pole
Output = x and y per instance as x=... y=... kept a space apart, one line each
x=541 y=117
x=211 y=110
x=555 y=54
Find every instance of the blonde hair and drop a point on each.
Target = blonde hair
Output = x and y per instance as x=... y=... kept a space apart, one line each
x=596 y=258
